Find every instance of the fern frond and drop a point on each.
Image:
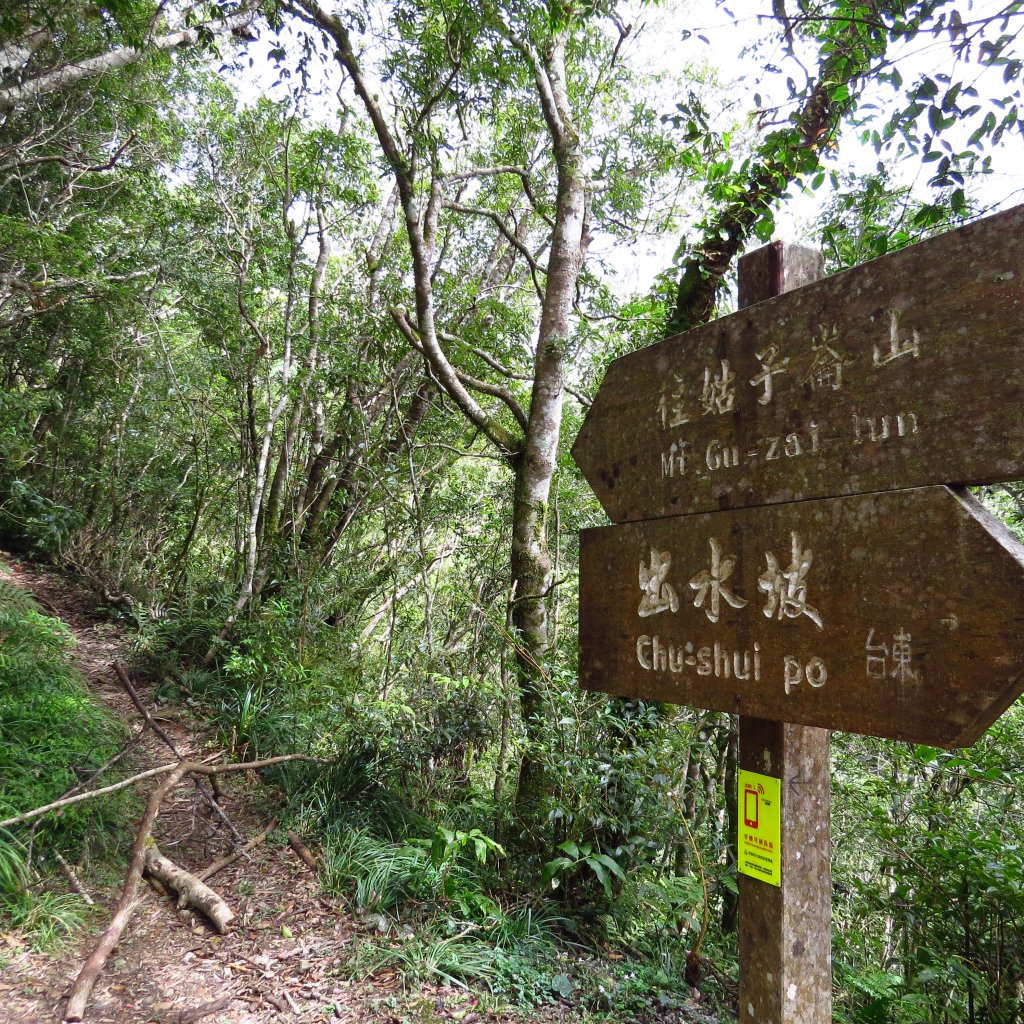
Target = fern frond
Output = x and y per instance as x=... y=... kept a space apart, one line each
x=16 y=600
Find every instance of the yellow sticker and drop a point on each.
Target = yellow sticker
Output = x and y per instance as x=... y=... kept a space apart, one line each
x=760 y=845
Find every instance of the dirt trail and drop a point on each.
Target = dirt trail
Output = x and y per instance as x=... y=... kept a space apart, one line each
x=277 y=962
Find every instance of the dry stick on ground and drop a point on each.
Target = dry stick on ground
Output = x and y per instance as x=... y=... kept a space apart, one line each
x=86 y=980
x=302 y=851
x=199 y=767
x=191 y=891
x=73 y=880
x=126 y=682
x=198 y=1012
x=77 y=798
x=219 y=865
x=92 y=776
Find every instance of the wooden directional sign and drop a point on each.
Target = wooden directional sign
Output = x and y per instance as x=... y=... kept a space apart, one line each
x=898 y=614
x=902 y=372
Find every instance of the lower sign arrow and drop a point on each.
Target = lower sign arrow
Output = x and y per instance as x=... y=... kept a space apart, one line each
x=898 y=614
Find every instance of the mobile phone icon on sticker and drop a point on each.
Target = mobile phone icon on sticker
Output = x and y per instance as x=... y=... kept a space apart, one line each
x=751 y=808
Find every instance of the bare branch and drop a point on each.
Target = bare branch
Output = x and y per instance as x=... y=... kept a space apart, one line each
x=78 y=998
x=510 y=235
x=485 y=356
x=190 y=767
x=483 y=387
x=485 y=172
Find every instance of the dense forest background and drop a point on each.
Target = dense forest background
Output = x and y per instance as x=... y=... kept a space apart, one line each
x=301 y=307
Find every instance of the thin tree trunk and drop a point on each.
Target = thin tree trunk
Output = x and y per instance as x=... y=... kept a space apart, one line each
x=535 y=466
x=730 y=898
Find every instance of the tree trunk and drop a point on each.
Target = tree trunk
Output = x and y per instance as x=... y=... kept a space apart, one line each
x=535 y=466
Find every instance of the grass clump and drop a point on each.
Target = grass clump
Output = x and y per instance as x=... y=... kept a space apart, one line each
x=53 y=737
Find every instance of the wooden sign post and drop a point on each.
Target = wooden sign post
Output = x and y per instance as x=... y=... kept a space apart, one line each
x=785 y=929
x=783 y=552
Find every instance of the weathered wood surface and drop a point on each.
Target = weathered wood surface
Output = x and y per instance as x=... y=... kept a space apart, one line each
x=785 y=933
x=902 y=372
x=898 y=614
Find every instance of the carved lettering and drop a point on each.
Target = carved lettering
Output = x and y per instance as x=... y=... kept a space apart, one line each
x=673 y=462
x=655 y=655
x=906 y=423
x=795 y=672
x=880 y=428
x=719 y=456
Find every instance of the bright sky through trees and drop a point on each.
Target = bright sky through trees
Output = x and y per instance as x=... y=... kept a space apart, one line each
x=729 y=39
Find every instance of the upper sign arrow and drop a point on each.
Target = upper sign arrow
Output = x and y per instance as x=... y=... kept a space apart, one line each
x=902 y=372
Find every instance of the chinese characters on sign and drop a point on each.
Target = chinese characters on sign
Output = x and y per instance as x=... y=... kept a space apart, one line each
x=890 y=662
x=786 y=589
x=710 y=584
x=785 y=593
x=824 y=367
x=897 y=614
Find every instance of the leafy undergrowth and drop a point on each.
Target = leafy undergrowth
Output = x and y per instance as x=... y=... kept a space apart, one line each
x=433 y=922
x=53 y=736
x=443 y=926
x=443 y=905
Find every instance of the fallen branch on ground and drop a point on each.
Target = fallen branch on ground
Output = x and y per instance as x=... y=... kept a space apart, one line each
x=73 y=880
x=219 y=865
x=133 y=694
x=86 y=980
x=198 y=1012
x=192 y=892
x=302 y=851
x=191 y=767
x=78 y=998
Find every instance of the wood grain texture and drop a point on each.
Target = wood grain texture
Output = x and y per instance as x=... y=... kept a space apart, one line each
x=785 y=934
x=902 y=372
x=898 y=614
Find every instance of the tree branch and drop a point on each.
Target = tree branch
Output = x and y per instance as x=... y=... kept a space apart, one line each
x=78 y=998
x=476 y=211
x=483 y=387
x=549 y=105
x=812 y=132
x=420 y=233
x=485 y=172
x=189 y=767
x=113 y=60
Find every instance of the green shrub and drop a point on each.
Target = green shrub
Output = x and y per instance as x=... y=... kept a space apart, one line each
x=53 y=736
x=30 y=521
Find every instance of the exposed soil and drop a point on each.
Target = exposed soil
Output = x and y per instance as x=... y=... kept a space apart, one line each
x=279 y=960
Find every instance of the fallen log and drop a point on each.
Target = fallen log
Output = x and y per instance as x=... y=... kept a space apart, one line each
x=81 y=990
x=191 y=891
x=78 y=998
